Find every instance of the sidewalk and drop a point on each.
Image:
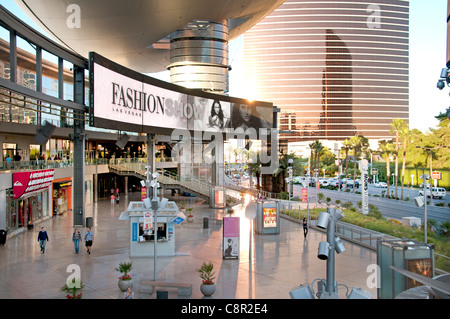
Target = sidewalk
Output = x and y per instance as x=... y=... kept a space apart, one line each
x=278 y=263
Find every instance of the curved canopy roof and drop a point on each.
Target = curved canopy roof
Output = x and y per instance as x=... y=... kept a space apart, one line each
x=132 y=32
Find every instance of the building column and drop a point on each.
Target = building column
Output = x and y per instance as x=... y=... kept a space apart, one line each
x=78 y=151
x=151 y=152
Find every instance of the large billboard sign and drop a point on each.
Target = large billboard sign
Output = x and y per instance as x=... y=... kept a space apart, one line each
x=126 y=100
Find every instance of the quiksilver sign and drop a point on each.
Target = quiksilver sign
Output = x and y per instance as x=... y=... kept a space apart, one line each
x=28 y=183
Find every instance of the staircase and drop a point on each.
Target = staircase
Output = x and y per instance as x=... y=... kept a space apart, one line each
x=165 y=178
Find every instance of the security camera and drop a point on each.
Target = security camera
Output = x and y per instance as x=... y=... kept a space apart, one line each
x=440 y=84
x=444 y=73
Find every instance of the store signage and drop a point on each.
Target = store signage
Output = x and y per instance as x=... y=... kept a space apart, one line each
x=28 y=183
x=436 y=175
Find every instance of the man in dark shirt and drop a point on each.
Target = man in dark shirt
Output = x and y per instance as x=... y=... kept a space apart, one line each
x=42 y=238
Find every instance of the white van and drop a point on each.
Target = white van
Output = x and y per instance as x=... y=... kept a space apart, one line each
x=438 y=192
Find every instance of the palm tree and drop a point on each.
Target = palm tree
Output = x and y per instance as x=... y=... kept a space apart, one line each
x=360 y=143
x=405 y=134
x=397 y=127
x=386 y=149
x=346 y=147
x=283 y=166
x=255 y=168
x=318 y=148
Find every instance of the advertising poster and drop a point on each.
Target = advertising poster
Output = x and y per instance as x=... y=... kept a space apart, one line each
x=304 y=195
x=270 y=217
x=148 y=221
x=230 y=237
x=143 y=193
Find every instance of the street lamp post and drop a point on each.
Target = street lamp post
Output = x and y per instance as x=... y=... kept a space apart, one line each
x=431 y=149
x=425 y=177
x=290 y=171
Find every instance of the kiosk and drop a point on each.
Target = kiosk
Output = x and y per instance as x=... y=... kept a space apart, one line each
x=405 y=254
x=143 y=234
x=267 y=219
x=218 y=198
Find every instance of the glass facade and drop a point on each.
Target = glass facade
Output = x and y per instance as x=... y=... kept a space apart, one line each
x=335 y=68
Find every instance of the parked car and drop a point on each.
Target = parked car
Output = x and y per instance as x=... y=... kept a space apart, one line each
x=351 y=183
x=324 y=182
x=381 y=185
x=438 y=192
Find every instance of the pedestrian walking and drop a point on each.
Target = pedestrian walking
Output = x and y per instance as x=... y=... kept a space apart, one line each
x=42 y=239
x=76 y=237
x=89 y=239
x=112 y=199
x=129 y=294
x=117 y=198
x=305 y=227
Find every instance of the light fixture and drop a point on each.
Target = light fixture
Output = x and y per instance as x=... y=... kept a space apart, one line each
x=323 y=220
x=339 y=245
x=302 y=292
x=324 y=250
x=147 y=203
x=123 y=140
x=358 y=293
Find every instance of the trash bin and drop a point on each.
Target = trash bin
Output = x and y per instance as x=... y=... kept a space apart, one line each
x=205 y=222
x=162 y=294
x=3 y=234
x=89 y=222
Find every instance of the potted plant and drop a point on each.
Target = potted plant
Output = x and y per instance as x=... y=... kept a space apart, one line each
x=190 y=216
x=182 y=205
x=73 y=291
x=208 y=286
x=125 y=280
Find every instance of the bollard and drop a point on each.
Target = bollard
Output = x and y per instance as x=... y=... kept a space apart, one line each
x=205 y=222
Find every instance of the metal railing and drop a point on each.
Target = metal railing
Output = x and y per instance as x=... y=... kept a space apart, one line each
x=346 y=231
x=45 y=164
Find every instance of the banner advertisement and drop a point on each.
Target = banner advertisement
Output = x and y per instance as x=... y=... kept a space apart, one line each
x=231 y=238
x=28 y=183
x=304 y=195
x=120 y=95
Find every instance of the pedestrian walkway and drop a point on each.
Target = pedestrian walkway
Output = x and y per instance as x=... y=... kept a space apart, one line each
x=278 y=263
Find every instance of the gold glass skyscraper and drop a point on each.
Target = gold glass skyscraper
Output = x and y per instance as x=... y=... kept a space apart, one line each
x=335 y=68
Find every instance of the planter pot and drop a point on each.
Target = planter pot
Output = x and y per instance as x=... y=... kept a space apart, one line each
x=125 y=284
x=190 y=219
x=208 y=290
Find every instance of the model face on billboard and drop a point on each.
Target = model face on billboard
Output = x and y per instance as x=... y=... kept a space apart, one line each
x=246 y=112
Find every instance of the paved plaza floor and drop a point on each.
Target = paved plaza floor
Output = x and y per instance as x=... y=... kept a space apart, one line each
x=275 y=265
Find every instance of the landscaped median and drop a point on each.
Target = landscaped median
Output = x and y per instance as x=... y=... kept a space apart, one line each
x=437 y=234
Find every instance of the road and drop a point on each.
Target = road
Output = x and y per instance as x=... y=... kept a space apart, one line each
x=390 y=208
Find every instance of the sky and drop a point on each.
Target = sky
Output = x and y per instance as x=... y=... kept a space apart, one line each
x=427 y=54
